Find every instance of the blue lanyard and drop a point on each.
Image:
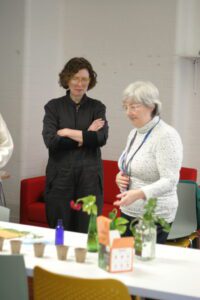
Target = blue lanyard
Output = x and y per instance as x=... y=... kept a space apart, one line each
x=124 y=158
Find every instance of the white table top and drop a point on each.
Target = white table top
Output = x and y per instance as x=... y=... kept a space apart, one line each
x=174 y=274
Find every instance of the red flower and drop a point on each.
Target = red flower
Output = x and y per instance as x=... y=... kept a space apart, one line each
x=75 y=206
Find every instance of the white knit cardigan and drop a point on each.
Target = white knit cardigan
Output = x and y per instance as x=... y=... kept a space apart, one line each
x=6 y=143
x=155 y=168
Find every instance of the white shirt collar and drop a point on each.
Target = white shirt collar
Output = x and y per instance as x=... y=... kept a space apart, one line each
x=149 y=125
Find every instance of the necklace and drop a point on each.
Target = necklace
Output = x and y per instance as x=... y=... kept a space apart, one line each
x=125 y=163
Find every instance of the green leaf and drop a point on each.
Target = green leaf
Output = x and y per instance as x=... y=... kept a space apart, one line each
x=88 y=204
x=132 y=225
x=121 y=221
x=112 y=225
x=164 y=224
x=113 y=214
x=122 y=229
x=149 y=218
x=87 y=200
x=120 y=224
x=94 y=209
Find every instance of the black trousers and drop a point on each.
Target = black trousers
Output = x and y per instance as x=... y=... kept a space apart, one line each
x=161 y=234
x=72 y=184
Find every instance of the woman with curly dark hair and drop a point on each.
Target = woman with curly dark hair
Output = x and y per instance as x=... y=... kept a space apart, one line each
x=74 y=129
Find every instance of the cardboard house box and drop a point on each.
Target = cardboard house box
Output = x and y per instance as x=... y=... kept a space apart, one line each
x=115 y=252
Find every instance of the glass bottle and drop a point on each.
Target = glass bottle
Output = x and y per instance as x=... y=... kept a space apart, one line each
x=92 y=241
x=59 y=233
x=145 y=240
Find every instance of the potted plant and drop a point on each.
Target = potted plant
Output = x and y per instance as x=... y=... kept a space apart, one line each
x=88 y=205
x=145 y=231
x=105 y=248
x=117 y=223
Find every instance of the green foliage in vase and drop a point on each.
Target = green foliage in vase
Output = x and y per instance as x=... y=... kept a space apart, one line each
x=149 y=218
x=88 y=204
x=118 y=223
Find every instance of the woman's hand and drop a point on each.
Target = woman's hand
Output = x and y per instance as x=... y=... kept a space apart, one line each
x=122 y=181
x=96 y=125
x=73 y=134
x=63 y=132
x=128 y=197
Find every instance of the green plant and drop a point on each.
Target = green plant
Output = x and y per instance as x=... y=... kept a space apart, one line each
x=144 y=231
x=88 y=204
x=118 y=223
x=149 y=218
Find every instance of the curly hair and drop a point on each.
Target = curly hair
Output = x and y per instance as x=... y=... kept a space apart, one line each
x=72 y=67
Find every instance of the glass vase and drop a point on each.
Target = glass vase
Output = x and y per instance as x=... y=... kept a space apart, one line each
x=145 y=240
x=92 y=241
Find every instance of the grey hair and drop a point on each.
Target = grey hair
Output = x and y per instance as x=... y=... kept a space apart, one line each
x=143 y=92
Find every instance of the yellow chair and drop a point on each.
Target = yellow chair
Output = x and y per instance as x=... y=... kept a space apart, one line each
x=186 y=241
x=51 y=286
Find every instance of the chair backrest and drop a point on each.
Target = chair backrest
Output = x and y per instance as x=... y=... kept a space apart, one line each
x=13 y=280
x=110 y=170
x=186 y=218
x=47 y=285
x=188 y=174
x=4 y=214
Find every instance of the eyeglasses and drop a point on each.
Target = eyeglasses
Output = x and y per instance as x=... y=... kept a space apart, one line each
x=132 y=107
x=82 y=80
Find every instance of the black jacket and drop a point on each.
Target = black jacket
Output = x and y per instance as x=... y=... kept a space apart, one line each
x=64 y=113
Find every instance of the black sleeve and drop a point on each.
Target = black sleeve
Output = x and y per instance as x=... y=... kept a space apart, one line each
x=50 y=127
x=94 y=139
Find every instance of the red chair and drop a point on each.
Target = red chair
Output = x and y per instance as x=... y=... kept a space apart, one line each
x=110 y=170
x=188 y=174
x=32 y=206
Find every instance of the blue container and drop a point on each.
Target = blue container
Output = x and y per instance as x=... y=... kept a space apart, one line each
x=59 y=234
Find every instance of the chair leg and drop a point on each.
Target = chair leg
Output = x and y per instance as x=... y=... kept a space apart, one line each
x=30 y=287
x=2 y=195
x=198 y=242
x=190 y=243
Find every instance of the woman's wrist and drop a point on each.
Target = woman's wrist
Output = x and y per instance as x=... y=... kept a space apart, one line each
x=141 y=194
x=63 y=132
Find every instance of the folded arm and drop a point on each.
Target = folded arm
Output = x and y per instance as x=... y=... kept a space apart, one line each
x=95 y=136
x=97 y=133
x=52 y=140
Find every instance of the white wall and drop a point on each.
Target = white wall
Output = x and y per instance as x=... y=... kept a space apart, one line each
x=125 y=41
x=12 y=24
x=43 y=52
x=187 y=80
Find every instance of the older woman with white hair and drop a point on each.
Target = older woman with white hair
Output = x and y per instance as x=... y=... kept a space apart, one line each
x=150 y=164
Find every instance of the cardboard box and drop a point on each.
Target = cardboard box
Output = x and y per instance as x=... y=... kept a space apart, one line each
x=115 y=253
